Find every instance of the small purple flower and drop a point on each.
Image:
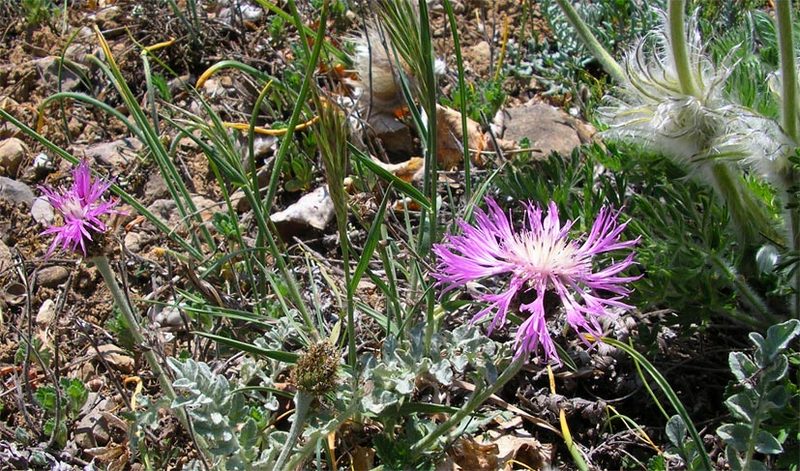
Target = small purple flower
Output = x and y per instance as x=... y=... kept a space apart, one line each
x=540 y=257
x=81 y=206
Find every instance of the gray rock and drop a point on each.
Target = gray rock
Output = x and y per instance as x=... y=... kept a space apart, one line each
x=6 y=260
x=43 y=163
x=47 y=313
x=133 y=242
x=12 y=151
x=171 y=318
x=312 y=211
x=110 y=18
x=50 y=277
x=47 y=68
x=549 y=129
x=93 y=430
x=42 y=212
x=479 y=58
x=166 y=209
x=155 y=187
x=246 y=11
x=16 y=192
x=115 y=154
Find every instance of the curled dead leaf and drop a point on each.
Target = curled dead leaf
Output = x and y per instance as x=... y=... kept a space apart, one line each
x=449 y=139
x=469 y=454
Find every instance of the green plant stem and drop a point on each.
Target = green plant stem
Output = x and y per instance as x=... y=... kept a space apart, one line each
x=462 y=97
x=783 y=18
x=611 y=66
x=280 y=158
x=670 y=394
x=302 y=401
x=134 y=328
x=751 y=440
x=751 y=298
x=478 y=397
x=103 y=266
x=680 y=51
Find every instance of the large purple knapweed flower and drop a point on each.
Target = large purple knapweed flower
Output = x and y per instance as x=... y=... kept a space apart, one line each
x=539 y=257
x=82 y=205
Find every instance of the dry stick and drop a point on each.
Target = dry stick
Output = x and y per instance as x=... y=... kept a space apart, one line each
x=56 y=344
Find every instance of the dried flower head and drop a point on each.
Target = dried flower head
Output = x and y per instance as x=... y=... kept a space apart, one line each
x=81 y=206
x=317 y=369
x=539 y=258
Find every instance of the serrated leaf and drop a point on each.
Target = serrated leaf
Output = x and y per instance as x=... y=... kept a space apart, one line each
x=742 y=405
x=767 y=444
x=735 y=435
x=46 y=397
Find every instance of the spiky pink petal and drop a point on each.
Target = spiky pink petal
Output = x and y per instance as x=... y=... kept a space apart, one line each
x=81 y=207
x=539 y=257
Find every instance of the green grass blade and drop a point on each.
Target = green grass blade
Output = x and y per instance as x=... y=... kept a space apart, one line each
x=670 y=394
x=402 y=186
x=373 y=236
x=278 y=355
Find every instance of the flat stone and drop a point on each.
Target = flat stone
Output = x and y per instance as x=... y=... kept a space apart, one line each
x=117 y=357
x=155 y=187
x=47 y=68
x=116 y=154
x=52 y=276
x=12 y=151
x=549 y=129
x=6 y=260
x=92 y=429
x=312 y=211
x=42 y=212
x=166 y=209
x=479 y=58
x=16 y=192
x=133 y=242
x=47 y=313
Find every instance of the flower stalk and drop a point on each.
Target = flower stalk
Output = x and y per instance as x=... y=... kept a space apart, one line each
x=302 y=403
x=121 y=301
x=783 y=18
x=314 y=375
x=680 y=51
x=611 y=66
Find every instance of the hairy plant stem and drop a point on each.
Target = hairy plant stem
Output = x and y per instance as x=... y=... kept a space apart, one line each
x=302 y=402
x=591 y=43
x=135 y=329
x=750 y=297
x=783 y=18
x=478 y=397
x=680 y=51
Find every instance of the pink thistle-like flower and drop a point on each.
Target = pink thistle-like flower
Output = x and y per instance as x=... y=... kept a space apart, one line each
x=539 y=257
x=81 y=206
